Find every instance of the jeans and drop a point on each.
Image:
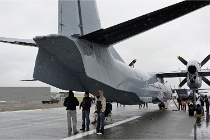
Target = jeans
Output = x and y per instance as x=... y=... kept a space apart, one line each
x=100 y=122
x=85 y=117
x=202 y=110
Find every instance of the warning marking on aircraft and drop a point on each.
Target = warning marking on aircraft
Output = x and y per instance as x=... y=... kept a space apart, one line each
x=80 y=135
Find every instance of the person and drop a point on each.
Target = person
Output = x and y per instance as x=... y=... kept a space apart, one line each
x=202 y=104
x=198 y=110
x=94 y=117
x=207 y=104
x=184 y=104
x=145 y=104
x=198 y=113
x=108 y=108
x=202 y=101
x=94 y=99
x=161 y=106
x=85 y=104
x=179 y=102
x=107 y=112
x=70 y=103
x=95 y=114
x=191 y=109
x=100 y=107
x=140 y=105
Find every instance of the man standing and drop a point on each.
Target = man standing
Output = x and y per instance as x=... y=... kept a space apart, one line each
x=179 y=102
x=100 y=107
x=70 y=103
x=85 y=104
x=207 y=104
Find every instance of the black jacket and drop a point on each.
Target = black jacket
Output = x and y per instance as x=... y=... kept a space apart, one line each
x=70 y=103
x=198 y=110
x=86 y=103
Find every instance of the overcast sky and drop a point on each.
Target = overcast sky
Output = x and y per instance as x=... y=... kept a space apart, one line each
x=156 y=50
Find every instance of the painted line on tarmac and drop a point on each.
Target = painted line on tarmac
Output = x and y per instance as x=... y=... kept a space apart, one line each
x=31 y=110
x=80 y=135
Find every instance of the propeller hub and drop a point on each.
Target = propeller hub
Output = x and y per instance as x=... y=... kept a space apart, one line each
x=192 y=69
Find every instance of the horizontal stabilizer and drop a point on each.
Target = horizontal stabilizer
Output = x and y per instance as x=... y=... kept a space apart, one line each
x=195 y=89
x=24 y=42
x=171 y=74
x=120 y=32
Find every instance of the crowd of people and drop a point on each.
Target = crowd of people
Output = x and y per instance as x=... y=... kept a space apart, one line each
x=102 y=107
x=199 y=108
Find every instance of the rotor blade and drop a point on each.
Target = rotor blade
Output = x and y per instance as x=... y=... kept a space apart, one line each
x=206 y=81
x=182 y=60
x=205 y=60
x=182 y=83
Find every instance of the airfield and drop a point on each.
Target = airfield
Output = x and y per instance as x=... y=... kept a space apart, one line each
x=128 y=122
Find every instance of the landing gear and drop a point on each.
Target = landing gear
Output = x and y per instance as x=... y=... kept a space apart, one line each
x=161 y=106
x=193 y=105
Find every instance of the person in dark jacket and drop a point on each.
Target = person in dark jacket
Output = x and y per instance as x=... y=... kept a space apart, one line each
x=207 y=104
x=70 y=103
x=198 y=114
x=179 y=102
x=85 y=104
x=202 y=104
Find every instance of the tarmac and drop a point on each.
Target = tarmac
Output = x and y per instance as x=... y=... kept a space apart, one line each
x=128 y=122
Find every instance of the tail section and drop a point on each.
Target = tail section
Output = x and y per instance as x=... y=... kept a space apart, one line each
x=77 y=17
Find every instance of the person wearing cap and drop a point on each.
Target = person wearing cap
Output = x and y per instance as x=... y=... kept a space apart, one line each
x=100 y=108
x=70 y=103
x=85 y=104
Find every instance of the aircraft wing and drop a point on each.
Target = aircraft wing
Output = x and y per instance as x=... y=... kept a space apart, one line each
x=25 y=42
x=122 y=31
x=172 y=74
x=205 y=72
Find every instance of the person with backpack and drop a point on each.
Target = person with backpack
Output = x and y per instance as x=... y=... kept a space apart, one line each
x=100 y=109
x=70 y=103
x=85 y=104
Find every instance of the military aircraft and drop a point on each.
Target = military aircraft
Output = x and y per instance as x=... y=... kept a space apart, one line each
x=81 y=56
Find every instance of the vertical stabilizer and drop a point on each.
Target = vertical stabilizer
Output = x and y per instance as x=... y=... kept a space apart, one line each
x=77 y=17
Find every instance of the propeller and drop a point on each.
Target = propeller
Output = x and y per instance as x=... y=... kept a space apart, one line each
x=205 y=60
x=182 y=60
x=206 y=80
x=182 y=83
x=202 y=63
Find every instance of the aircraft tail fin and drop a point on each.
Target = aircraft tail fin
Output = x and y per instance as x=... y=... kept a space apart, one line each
x=77 y=17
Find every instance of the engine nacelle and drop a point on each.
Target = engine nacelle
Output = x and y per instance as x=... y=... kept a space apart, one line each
x=193 y=67
x=193 y=78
